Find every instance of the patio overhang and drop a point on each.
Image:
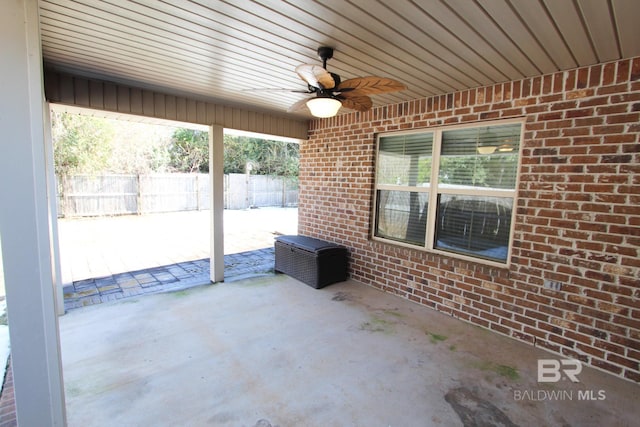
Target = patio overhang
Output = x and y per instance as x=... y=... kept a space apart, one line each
x=115 y=98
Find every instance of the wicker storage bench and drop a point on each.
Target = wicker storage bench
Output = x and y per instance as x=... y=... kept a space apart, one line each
x=312 y=261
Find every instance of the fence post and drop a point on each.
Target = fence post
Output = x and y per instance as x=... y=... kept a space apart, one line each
x=65 y=195
x=226 y=191
x=248 y=168
x=198 y=191
x=138 y=196
x=62 y=206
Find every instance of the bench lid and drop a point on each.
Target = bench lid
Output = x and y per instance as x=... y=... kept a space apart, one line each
x=310 y=244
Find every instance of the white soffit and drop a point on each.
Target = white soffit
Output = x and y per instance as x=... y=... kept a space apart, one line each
x=232 y=51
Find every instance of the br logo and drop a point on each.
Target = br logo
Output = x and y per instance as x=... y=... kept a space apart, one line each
x=551 y=370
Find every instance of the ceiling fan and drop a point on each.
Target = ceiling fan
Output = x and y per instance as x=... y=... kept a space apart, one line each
x=332 y=93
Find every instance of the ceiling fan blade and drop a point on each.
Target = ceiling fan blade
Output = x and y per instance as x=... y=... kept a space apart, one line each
x=316 y=76
x=369 y=85
x=302 y=104
x=358 y=103
x=276 y=89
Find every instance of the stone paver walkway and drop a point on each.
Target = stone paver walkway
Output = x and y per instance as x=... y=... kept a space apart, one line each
x=166 y=278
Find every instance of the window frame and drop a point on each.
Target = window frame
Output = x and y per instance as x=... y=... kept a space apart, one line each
x=434 y=189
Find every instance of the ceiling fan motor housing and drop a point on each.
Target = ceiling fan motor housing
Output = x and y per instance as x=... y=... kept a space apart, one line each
x=325 y=52
x=331 y=93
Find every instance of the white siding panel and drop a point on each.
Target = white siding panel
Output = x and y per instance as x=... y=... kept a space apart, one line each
x=534 y=16
x=170 y=107
x=515 y=30
x=147 y=103
x=124 y=99
x=181 y=107
x=81 y=92
x=96 y=98
x=601 y=30
x=485 y=26
x=211 y=113
x=627 y=14
x=136 y=101
x=159 y=106
x=201 y=112
x=110 y=97
x=67 y=92
x=192 y=112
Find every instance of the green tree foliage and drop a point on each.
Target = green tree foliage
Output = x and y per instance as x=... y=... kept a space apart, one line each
x=266 y=156
x=90 y=145
x=189 y=151
x=81 y=143
x=140 y=148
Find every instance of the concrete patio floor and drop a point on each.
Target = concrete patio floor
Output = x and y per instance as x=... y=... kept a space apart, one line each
x=273 y=351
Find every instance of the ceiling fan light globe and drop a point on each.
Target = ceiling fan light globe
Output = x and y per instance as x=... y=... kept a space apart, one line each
x=486 y=149
x=323 y=107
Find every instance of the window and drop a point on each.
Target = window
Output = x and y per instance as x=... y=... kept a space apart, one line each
x=403 y=178
x=449 y=189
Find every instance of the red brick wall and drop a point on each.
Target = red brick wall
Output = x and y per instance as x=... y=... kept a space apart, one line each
x=577 y=220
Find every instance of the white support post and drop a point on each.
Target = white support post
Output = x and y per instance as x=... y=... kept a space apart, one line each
x=56 y=264
x=24 y=221
x=216 y=175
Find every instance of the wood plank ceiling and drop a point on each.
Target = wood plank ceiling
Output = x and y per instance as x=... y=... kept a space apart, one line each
x=232 y=51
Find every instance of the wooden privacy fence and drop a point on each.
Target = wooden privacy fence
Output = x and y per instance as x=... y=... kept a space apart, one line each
x=117 y=194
